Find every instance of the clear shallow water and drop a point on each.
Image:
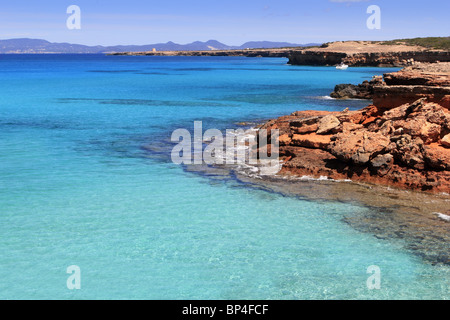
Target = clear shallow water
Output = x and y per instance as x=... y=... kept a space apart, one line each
x=77 y=187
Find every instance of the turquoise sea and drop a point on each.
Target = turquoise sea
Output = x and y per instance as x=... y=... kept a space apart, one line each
x=85 y=180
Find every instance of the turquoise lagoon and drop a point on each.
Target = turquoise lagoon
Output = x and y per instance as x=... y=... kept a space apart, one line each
x=85 y=180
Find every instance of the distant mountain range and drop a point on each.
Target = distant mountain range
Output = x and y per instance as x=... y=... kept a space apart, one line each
x=42 y=46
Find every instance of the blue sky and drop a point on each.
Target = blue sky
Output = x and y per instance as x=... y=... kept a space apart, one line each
x=112 y=22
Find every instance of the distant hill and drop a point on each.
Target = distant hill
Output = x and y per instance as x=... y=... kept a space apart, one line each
x=42 y=46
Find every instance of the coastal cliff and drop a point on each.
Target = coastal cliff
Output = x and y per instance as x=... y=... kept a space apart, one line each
x=430 y=81
x=364 y=53
x=365 y=59
x=353 y=53
x=419 y=80
x=274 y=53
x=402 y=140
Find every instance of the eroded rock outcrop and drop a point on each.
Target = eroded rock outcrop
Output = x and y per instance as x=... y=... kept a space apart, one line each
x=359 y=146
x=406 y=146
x=366 y=53
x=364 y=90
x=430 y=81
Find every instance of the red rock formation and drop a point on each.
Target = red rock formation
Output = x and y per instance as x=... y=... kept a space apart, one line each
x=431 y=81
x=406 y=147
x=402 y=140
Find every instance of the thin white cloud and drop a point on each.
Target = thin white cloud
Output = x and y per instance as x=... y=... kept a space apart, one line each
x=341 y=1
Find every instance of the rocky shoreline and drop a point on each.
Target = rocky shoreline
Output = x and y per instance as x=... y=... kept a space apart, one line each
x=392 y=157
x=364 y=90
x=419 y=80
x=402 y=140
x=274 y=53
x=353 y=53
x=366 y=53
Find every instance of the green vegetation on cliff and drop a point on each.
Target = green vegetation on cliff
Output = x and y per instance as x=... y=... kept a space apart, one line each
x=429 y=42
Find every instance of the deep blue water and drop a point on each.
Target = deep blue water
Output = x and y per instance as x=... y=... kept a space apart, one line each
x=81 y=183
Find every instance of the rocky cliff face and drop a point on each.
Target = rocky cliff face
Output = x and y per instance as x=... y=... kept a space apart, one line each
x=364 y=90
x=365 y=59
x=402 y=140
x=353 y=53
x=274 y=53
x=406 y=147
x=431 y=81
